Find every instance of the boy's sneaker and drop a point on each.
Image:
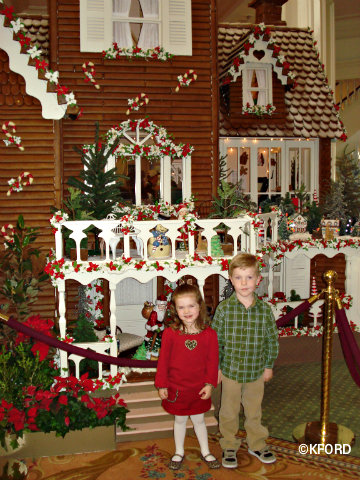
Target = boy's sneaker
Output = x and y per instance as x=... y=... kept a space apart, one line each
x=264 y=455
x=229 y=459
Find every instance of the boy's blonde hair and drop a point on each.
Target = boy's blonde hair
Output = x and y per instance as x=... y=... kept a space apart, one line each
x=244 y=260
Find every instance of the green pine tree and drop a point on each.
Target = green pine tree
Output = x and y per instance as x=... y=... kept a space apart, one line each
x=283 y=231
x=84 y=332
x=101 y=189
x=334 y=205
x=313 y=215
x=216 y=250
x=348 y=173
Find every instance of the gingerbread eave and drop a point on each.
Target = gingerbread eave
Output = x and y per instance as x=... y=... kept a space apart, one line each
x=311 y=111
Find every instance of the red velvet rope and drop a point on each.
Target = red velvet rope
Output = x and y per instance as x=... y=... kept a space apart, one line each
x=294 y=313
x=98 y=357
x=349 y=346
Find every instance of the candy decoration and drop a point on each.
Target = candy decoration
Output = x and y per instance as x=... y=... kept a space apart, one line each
x=12 y=138
x=17 y=185
x=136 y=103
x=4 y=232
x=315 y=198
x=89 y=71
x=185 y=80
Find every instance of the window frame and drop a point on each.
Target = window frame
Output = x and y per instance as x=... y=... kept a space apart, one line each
x=268 y=79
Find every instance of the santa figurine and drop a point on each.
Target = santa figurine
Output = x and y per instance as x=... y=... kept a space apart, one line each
x=155 y=327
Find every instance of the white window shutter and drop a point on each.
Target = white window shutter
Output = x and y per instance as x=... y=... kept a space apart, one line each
x=297 y=276
x=95 y=25
x=176 y=26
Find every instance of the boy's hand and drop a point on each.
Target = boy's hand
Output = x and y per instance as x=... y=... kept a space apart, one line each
x=205 y=392
x=163 y=393
x=219 y=377
x=268 y=374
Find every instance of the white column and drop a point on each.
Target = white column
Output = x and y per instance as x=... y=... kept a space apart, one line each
x=165 y=178
x=58 y=243
x=137 y=180
x=62 y=327
x=186 y=178
x=113 y=345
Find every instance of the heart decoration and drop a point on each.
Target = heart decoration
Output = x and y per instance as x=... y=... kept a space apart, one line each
x=258 y=54
x=190 y=344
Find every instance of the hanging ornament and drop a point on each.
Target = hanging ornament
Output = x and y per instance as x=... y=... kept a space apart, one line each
x=89 y=71
x=9 y=128
x=313 y=287
x=137 y=102
x=185 y=80
x=8 y=231
x=18 y=184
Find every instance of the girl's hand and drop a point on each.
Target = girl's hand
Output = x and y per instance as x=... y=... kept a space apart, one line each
x=205 y=392
x=268 y=374
x=163 y=393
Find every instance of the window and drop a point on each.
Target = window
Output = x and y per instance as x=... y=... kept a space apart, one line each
x=257 y=84
x=143 y=23
x=268 y=168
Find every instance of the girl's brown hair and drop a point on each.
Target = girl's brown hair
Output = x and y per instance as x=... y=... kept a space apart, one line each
x=202 y=321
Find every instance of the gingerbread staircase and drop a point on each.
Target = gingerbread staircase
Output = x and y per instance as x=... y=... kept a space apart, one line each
x=35 y=86
x=146 y=417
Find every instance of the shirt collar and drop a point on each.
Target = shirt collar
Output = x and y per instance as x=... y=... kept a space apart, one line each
x=234 y=300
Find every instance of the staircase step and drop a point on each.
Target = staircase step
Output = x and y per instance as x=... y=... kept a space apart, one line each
x=152 y=430
x=126 y=388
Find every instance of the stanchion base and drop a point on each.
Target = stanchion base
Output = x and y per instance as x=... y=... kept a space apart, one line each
x=310 y=433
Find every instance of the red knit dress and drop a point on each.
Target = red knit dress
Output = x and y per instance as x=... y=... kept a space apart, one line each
x=186 y=363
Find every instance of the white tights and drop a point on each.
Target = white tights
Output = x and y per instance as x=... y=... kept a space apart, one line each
x=198 y=422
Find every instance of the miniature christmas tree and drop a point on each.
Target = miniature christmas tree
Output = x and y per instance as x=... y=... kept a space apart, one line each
x=141 y=352
x=216 y=250
x=283 y=230
x=84 y=332
x=334 y=205
x=313 y=216
x=101 y=188
x=348 y=172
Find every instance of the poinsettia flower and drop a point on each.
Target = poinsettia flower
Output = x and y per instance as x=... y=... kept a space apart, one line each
x=17 y=25
x=53 y=77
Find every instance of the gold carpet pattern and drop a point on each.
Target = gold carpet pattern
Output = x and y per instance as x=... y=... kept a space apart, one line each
x=148 y=459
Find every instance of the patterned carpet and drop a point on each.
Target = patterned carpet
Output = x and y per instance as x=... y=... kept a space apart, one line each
x=293 y=397
x=148 y=459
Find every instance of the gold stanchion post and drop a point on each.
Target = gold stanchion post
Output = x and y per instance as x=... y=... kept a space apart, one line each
x=324 y=432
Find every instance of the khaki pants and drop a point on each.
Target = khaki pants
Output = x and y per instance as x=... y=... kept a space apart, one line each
x=250 y=395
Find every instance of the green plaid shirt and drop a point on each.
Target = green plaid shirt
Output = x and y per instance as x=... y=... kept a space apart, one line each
x=248 y=338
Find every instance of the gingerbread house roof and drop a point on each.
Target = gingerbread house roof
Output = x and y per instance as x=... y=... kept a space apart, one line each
x=310 y=104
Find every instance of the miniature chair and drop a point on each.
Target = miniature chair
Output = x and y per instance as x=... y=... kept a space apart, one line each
x=127 y=341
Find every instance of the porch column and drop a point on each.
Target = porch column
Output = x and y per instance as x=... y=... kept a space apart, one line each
x=113 y=345
x=62 y=328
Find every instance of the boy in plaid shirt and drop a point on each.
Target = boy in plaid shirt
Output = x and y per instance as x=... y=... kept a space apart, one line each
x=248 y=347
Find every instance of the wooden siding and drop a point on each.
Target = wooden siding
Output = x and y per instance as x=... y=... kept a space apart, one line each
x=34 y=201
x=187 y=115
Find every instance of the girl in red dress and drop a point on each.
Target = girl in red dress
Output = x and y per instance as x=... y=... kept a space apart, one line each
x=187 y=370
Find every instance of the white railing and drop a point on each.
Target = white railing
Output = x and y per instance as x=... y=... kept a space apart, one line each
x=241 y=230
x=315 y=311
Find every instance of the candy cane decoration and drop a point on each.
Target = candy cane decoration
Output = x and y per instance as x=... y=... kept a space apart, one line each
x=136 y=103
x=89 y=72
x=4 y=232
x=17 y=185
x=185 y=80
x=13 y=139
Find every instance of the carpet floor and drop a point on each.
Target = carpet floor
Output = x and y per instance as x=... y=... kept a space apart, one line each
x=292 y=397
x=148 y=459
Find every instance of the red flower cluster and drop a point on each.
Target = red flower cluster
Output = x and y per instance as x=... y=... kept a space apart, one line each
x=40 y=325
